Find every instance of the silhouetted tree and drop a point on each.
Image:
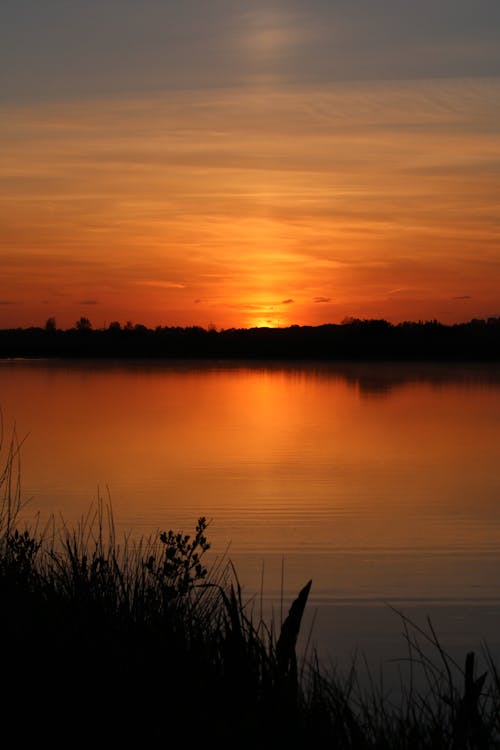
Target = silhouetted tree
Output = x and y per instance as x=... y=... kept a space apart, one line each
x=50 y=325
x=83 y=324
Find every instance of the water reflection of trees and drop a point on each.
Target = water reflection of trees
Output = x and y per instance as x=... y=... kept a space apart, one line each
x=376 y=380
x=373 y=355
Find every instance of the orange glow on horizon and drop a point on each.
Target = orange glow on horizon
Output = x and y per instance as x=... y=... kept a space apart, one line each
x=255 y=207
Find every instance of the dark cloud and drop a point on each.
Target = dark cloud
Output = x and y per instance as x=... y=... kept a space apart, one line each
x=463 y=296
x=287 y=301
x=197 y=301
x=88 y=302
x=7 y=302
x=322 y=299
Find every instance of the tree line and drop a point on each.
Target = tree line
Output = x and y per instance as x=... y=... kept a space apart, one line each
x=353 y=339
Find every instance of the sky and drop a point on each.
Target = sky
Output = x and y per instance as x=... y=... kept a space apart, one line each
x=236 y=163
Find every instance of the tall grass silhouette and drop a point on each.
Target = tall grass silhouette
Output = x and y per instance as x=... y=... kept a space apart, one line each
x=108 y=641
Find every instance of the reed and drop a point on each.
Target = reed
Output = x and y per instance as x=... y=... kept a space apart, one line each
x=110 y=641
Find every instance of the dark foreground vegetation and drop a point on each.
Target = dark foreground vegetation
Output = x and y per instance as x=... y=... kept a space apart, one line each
x=109 y=643
x=353 y=339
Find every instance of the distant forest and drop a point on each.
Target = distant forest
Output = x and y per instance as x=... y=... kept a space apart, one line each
x=353 y=339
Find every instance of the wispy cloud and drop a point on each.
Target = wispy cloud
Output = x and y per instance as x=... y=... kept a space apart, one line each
x=162 y=284
x=239 y=194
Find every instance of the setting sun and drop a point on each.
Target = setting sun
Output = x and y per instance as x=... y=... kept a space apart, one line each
x=267 y=189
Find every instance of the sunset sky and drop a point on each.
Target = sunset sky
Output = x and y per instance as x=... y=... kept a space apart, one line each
x=238 y=163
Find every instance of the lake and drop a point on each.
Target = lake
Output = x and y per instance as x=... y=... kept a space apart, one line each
x=380 y=482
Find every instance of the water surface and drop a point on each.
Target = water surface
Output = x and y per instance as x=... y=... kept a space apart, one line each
x=380 y=482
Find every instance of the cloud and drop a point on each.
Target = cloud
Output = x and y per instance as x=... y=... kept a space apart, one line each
x=322 y=299
x=163 y=284
x=287 y=301
x=88 y=302
x=463 y=296
x=221 y=44
x=197 y=301
x=249 y=307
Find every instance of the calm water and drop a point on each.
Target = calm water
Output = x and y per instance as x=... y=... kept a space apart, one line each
x=379 y=482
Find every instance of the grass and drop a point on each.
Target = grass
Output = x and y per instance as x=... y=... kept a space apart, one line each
x=108 y=642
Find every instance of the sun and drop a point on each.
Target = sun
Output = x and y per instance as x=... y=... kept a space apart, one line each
x=265 y=322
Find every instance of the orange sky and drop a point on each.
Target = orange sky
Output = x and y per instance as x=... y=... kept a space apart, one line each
x=272 y=202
